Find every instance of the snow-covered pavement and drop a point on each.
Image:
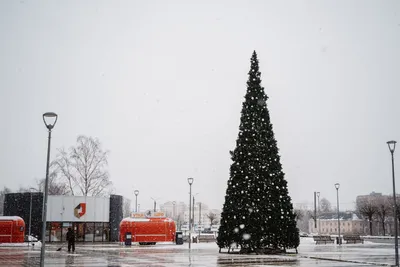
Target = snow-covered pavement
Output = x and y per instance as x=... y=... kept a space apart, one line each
x=203 y=254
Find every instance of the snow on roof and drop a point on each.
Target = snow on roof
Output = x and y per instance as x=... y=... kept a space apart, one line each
x=156 y=219
x=129 y=219
x=10 y=218
x=342 y=216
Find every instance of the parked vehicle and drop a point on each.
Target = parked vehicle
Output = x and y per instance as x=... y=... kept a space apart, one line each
x=303 y=234
x=148 y=228
x=12 y=229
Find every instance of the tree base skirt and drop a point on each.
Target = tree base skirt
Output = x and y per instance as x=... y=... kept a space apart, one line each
x=256 y=251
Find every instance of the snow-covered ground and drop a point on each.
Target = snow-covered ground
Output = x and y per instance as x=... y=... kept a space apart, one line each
x=24 y=244
x=31 y=241
x=201 y=254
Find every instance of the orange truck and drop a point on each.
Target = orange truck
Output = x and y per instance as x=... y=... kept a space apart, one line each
x=12 y=229
x=147 y=228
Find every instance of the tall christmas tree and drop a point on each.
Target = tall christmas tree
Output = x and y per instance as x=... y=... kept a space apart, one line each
x=257 y=214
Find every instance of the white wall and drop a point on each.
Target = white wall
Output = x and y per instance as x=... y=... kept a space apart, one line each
x=61 y=209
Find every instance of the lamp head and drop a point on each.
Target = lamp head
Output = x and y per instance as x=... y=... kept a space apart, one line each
x=337 y=185
x=190 y=181
x=318 y=193
x=52 y=118
x=391 y=145
x=136 y=192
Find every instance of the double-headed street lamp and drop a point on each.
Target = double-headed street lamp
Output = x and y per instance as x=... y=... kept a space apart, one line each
x=136 y=192
x=49 y=119
x=190 y=181
x=337 y=185
x=392 y=147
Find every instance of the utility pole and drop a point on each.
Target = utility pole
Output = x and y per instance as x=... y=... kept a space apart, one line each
x=199 y=218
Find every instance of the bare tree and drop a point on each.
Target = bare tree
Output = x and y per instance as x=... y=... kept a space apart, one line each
x=384 y=209
x=392 y=207
x=299 y=214
x=325 y=205
x=368 y=208
x=3 y=193
x=397 y=207
x=303 y=217
x=22 y=189
x=83 y=167
x=56 y=185
x=212 y=217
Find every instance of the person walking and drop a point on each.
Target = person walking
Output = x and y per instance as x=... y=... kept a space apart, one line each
x=71 y=240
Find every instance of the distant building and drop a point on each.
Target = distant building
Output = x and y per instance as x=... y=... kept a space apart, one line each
x=327 y=224
x=179 y=212
x=371 y=196
x=378 y=199
x=93 y=219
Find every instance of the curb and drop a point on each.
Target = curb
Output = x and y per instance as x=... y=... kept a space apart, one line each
x=350 y=261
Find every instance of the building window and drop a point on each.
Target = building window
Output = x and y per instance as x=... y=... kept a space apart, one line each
x=99 y=236
x=48 y=229
x=89 y=232
x=55 y=231
x=106 y=232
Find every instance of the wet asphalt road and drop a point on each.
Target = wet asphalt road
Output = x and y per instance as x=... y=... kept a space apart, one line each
x=96 y=255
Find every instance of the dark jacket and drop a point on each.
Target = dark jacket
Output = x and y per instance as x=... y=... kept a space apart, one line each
x=70 y=236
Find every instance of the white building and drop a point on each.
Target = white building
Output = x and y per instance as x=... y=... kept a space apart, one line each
x=179 y=211
x=327 y=224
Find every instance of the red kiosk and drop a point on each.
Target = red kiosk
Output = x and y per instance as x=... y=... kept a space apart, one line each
x=147 y=228
x=12 y=229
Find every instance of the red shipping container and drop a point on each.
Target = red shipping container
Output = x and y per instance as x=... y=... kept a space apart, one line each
x=148 y=230
x=12 y=229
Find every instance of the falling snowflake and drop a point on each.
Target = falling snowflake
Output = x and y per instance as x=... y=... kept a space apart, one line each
x=246 y=236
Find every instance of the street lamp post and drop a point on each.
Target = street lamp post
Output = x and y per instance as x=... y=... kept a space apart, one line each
x=30 y=217
x=337 y=185
x=173 y=209
x=392 y=147
x=155 y=203
x=319 y=220
x=136 y=192
x=53 y=117
x=193 y=206
x=190 y=181
x=199 y=219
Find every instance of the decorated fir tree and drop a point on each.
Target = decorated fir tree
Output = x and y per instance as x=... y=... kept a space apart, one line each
x=257 y=214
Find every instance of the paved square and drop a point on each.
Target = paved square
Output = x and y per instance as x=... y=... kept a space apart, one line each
x=204 y=254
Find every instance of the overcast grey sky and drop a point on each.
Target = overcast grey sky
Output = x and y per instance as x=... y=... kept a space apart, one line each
x=161 y=84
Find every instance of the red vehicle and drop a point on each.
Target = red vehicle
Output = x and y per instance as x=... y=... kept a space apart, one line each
x=12 y=229
x=148 y=228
